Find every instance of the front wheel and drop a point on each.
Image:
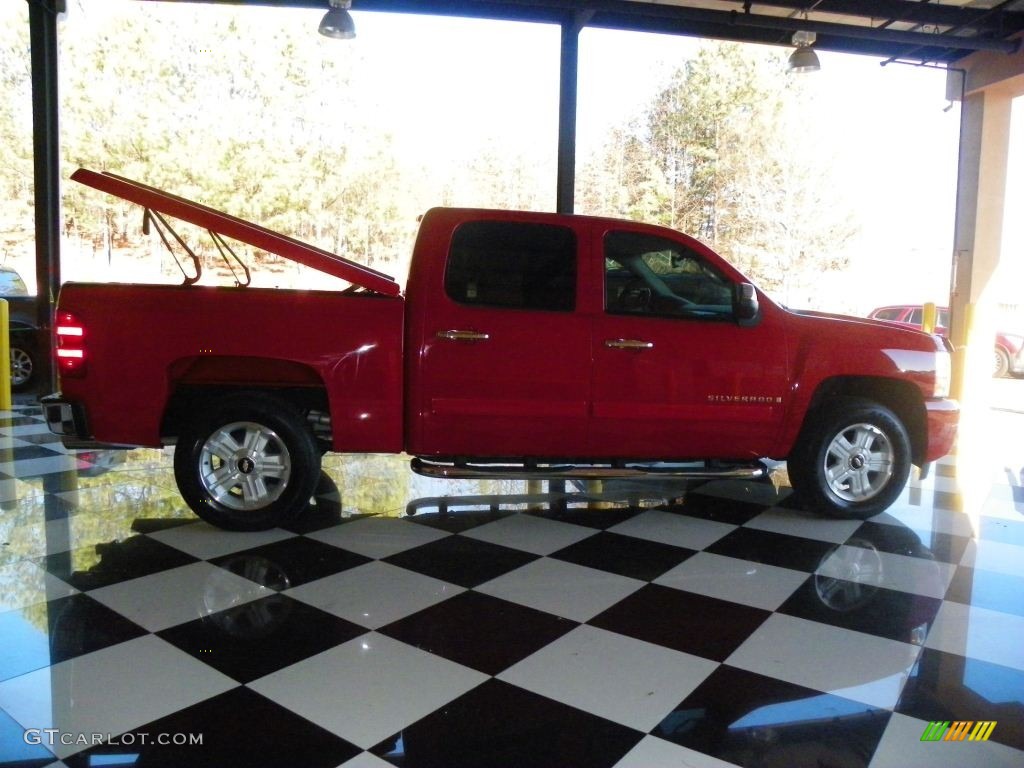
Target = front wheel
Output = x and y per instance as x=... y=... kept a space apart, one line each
x=1001 y=364
x=851 y=462
x=248 y=464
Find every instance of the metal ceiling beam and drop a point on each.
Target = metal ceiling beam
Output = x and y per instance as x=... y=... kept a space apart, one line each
x=682 y=19
x=912 y=11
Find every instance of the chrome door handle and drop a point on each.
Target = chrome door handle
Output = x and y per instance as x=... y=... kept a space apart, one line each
x=628 y=344
x=454 y=335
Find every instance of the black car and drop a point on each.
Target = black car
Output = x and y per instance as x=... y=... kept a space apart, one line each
x=24 y=333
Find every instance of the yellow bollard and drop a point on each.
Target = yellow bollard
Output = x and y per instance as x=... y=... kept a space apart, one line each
x=929 y=319
x=5 y=357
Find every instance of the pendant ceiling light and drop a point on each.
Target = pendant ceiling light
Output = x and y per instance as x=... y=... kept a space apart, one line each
x=803 y=59
x=337 y=22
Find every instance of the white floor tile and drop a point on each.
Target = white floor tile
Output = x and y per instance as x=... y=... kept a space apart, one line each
x=378 y=537
x=854 y=665
x=531 y=534
x=739 y=581
x=104 y=692
x=653 y=752
x=678 y=530
x=25 y=583
x=369 y=688
x=994 y=556
x=901 y=747
x=374 y=594
x=365 y=760
x=175 y=596
x=46 y=465
x=621 y=679
x=978 y=633
x=916 y=575
x=204 y=541
x=794 y=523
x=572 y=591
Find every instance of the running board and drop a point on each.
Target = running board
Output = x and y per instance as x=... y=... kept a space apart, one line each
x=450 y=471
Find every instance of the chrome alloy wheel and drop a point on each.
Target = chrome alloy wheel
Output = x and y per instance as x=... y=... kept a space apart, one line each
x=859 y=462
x=21 y=366
x=244 y=466
x=854 y=574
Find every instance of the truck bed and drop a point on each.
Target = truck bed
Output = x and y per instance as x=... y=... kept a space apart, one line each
x=142 y=342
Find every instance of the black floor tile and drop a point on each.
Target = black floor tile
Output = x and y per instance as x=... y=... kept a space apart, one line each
x=862 y=608
x=718 y=509
x=289 y=563
x=480 y=631
x=41 y=438
x=461 y=560
x=17 y=421
x=252 y=640
x=26 y=452
x=753 y=721
x=591 y=517
x=459 y=520
x=900 y=540
x=497 y=724
x=44 y=634
x=949 y=500
x=703 y=626
x=793 y=552
x=238 y=727
x=118 y=561
x=987 y=589
x=624 y=555
x=947 y=686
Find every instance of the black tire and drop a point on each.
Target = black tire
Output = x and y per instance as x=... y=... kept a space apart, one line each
x=830 y=479
x=1000 y=364
x=23 y=367
x=247 y=463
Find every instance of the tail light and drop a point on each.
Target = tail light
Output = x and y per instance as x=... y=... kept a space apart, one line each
x=70 y=345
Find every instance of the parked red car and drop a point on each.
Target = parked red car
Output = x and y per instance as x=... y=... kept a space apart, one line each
x=1009 y=348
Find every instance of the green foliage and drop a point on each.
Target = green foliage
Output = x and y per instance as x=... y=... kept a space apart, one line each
x=719 y=154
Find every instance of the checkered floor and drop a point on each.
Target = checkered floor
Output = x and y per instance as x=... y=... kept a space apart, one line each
x=713 y=627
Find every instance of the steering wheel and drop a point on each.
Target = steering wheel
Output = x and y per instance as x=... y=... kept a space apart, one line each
x=635 y=297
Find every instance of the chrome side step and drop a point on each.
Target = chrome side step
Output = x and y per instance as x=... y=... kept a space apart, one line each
x=690 y=471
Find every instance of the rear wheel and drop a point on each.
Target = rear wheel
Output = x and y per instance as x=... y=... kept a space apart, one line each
x=249 y=463
x=852 y=460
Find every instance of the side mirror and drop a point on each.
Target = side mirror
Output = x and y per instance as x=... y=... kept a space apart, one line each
x=744 y=304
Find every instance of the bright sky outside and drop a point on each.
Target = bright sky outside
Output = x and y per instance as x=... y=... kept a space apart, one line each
x=441 y=86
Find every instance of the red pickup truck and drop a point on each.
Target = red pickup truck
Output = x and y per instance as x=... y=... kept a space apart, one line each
x=526 y=345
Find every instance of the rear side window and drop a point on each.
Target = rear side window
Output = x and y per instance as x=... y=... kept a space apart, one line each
x=513 y=265
x=890 y=313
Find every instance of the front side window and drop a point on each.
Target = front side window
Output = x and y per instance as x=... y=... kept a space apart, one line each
x=915 y=316
x=649 y=275
x=513 y=265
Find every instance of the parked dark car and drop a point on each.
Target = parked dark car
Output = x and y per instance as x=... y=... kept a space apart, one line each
x=22 y=317
x=1009 y=348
